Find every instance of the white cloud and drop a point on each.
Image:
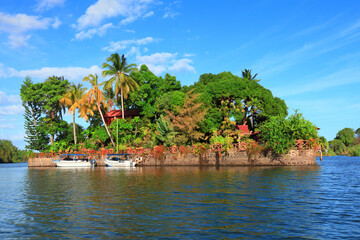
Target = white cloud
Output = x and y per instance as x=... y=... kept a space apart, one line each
x=93 y=31
x=120 y=45
x=157 y=58
x=70 y=73
x=16 y=41
x=48 y=4
x=13 y=137
x=17 y=25
x=170 y=10
x=56 y=23
x=182 y=65
x=12 y=110
x=9 y=99
x=7 y=125
x=187 y=55
x=159 y=63
x=130 y=10
x=149 y=14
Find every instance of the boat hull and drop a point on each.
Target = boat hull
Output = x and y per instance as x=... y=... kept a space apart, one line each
x=124 y=163
x=73 y=164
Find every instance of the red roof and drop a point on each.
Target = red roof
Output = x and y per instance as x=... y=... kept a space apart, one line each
x=118 y=114
x=110 y=116
x=243 y=128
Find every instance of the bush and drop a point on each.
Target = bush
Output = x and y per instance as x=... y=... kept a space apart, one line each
x=354 y=151
x=337 y=146
x=280 y=134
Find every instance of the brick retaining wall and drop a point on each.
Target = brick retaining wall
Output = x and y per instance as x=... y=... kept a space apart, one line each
x=231 y=158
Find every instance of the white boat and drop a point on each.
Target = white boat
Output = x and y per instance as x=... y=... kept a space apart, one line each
x=119 y=160
x=74 y=160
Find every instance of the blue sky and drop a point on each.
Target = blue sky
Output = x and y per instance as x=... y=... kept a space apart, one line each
x=305 y=52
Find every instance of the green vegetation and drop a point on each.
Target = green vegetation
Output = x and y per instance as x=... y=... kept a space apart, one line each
x=280 y=134
x=346 y=142
x=9 y=153
x=206 y=112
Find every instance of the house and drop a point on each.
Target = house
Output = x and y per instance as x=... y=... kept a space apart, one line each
x=128 y=114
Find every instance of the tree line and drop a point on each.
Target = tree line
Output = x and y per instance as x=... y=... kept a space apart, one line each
x=206 y=112
x=346 y=142
x=9 y=153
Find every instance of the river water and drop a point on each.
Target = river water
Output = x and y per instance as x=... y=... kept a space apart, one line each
x=309 y=202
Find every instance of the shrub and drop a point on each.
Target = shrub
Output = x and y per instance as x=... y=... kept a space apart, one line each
x=280 y=134
x=354 y=151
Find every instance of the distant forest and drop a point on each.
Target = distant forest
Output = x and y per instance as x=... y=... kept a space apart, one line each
x=10 y=154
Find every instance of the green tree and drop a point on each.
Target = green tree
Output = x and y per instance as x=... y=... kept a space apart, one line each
x=166 y=133
x=346 y=135
x=337 y=146
x=30 y=95
x=119 y=71
x=95 y=95
x=9 y=153
x=246 y=101
x=188 y=117
x=73 y=99
x=280 y=133
x=246 y=74
x=52 y=91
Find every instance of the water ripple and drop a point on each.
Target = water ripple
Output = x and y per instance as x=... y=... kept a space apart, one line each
x=311 y=202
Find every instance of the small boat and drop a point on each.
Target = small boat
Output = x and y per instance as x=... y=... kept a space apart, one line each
x=119 y=160
x=75 y=160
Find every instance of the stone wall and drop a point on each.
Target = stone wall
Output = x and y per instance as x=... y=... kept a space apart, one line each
x=231 y=158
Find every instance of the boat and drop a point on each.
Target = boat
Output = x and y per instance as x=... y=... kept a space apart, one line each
x=75 y=160
x=119 y=160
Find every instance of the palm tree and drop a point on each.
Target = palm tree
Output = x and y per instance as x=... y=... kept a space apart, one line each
x=119 y=71
x=246 y=74
x=109 y=95
x=95 y=95
x=73 y=99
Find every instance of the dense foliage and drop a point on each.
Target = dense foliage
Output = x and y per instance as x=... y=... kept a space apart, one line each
x=346 y=142
x=280 y=134
x=206 y=112
x=9 y=153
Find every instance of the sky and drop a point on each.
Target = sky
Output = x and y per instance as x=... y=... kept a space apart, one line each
x=306 y=52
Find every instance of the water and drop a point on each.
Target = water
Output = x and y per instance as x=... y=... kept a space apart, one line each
x=307 y=202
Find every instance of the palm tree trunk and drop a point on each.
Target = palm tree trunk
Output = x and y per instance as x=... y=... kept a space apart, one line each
x=122 y=103
x=74 y=128
x=107 y=130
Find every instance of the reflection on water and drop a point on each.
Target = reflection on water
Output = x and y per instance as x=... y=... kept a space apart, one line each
x=182 y=202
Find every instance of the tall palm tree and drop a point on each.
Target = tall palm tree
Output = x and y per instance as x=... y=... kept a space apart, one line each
x=73 y=99
x=95 y=95
x=246 y=74
x=119 y=71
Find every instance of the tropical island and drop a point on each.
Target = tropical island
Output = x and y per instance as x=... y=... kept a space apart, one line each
x=219 y=109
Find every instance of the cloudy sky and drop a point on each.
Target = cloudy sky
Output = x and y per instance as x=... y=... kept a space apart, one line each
x=306 y=52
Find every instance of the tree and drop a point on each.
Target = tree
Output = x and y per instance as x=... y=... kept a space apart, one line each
x=73 y=99
x=337 y=146
x=30 y=96
x=246 y=101
x=188 y=118
x=166 y=133
x=246 y=74
x=119 y=71
x=52 y=91
x=95 y=95
x=346 y=135
x=9 y=153
x=280 y=133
